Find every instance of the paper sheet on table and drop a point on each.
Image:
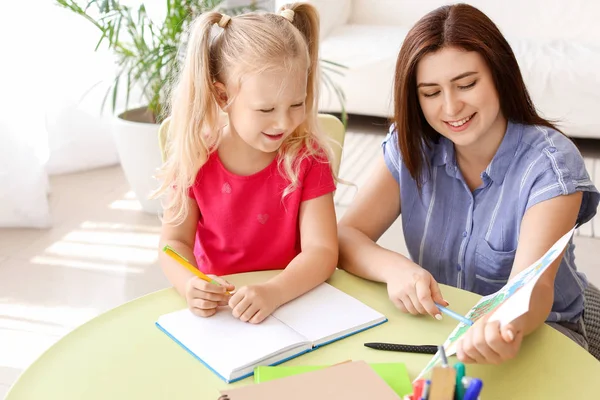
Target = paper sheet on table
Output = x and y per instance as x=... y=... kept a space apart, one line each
x=508 y=303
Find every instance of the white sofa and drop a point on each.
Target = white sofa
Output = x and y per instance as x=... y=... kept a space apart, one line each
x=557 y=44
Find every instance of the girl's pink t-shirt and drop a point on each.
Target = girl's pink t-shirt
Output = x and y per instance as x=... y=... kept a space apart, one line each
x=245 y=225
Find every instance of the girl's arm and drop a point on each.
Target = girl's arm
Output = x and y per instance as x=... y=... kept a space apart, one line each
x=181 y=238
x=319 y=250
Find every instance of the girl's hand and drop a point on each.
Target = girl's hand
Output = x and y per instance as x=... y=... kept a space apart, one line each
x=414 y=290
x=254 y=303
x=203 y=298
x=486 y=343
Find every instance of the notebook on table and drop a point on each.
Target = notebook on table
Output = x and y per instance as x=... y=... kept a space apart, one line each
x=394 y=374
x=232 y=348
x=348 y=381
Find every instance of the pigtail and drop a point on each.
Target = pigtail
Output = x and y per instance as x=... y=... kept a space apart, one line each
x=194 y=123
x=305 y=18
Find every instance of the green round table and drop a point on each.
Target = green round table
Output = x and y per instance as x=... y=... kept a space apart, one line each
x=122 y=355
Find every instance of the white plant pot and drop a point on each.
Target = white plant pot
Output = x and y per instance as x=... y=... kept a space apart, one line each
x=137 y=145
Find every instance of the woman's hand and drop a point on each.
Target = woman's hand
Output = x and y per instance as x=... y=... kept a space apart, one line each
x=414 y=290
x=203 y=297
x=486 y=343
x=254 y=303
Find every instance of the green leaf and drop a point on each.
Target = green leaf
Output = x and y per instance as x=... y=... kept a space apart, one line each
x=333 y=63
x=145 y=51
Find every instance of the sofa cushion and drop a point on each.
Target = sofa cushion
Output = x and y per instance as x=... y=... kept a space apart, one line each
x=369 y=52
x=562 y=79
x=535 y=19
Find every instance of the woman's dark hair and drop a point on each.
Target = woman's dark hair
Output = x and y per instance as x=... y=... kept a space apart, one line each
x=464 y=27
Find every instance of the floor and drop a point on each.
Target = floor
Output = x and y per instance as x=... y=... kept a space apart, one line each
x=101 y=252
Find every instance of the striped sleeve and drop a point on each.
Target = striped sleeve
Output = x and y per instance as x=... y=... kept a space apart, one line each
x=391 y=153
x=561 y=171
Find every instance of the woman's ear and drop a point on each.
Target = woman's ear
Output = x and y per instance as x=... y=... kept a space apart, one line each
x=222 y=98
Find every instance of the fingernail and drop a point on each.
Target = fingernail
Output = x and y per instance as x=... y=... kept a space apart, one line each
x=438 y=317
x=511 y=335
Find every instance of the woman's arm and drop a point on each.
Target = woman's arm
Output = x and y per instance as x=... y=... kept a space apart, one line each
x=319 y=250
x=376 y=207
x=541 y=226
x=373 y=211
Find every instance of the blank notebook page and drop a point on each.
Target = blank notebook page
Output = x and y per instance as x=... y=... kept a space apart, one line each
x=326 y=311
x=226 y=343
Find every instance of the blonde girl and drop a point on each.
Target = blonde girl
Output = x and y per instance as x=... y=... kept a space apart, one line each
x=248 y=180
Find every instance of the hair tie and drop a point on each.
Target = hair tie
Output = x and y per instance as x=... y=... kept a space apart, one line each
x=224 y=21
x=287 y=14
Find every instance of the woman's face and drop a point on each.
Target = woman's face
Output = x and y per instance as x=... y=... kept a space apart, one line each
x=458 y=97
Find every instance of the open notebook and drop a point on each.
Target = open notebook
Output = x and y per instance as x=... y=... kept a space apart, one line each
x=232 y=348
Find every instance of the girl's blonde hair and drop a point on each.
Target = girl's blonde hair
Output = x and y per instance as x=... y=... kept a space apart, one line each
x=248 y=44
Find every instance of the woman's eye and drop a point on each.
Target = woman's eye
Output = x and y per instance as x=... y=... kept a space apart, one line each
x=267 y=111
x=469 y=86
x=297 y=105
x=431 y=94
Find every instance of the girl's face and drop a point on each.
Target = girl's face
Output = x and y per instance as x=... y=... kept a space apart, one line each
x=268 y=107
x=459 y=99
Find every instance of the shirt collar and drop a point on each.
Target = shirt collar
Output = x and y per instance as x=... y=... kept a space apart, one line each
x=496 y=170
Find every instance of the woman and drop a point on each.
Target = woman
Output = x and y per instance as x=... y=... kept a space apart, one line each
x=484 y=186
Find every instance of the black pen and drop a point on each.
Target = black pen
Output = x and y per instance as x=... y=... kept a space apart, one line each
x=405 y=348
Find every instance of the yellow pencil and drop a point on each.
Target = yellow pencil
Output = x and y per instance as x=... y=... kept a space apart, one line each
x=181 y=260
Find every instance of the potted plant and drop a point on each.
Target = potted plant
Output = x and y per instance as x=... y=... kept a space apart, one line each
x=147 y=54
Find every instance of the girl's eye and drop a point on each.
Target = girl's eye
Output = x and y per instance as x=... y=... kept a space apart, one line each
x=431 y=94
x=267 y=111
x=469 y=86
x=297 y=105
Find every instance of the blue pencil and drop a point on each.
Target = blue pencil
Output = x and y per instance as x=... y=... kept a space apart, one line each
x=454 y=315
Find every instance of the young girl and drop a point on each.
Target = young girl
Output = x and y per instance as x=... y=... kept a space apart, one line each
x=484 y=186
x=253 y=190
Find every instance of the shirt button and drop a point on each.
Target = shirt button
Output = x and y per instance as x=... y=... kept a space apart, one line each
x=465 y=234
x=552 y=149
x=458 y=268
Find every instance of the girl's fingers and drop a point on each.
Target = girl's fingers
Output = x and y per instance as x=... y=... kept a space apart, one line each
x=201 y=294
x=203 y=304
x=258 y=317
x=241 y=307
x=228 y=286
x=204 y=286
x=249 y=313
x=235 y=299
x=203 y=313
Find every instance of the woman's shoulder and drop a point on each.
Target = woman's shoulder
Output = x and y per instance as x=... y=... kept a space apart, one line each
x=552 y=166
x=543 y=148
x=540 y=140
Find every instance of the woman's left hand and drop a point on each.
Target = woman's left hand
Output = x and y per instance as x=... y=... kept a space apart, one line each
x=254 y=303
x=486 y=343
